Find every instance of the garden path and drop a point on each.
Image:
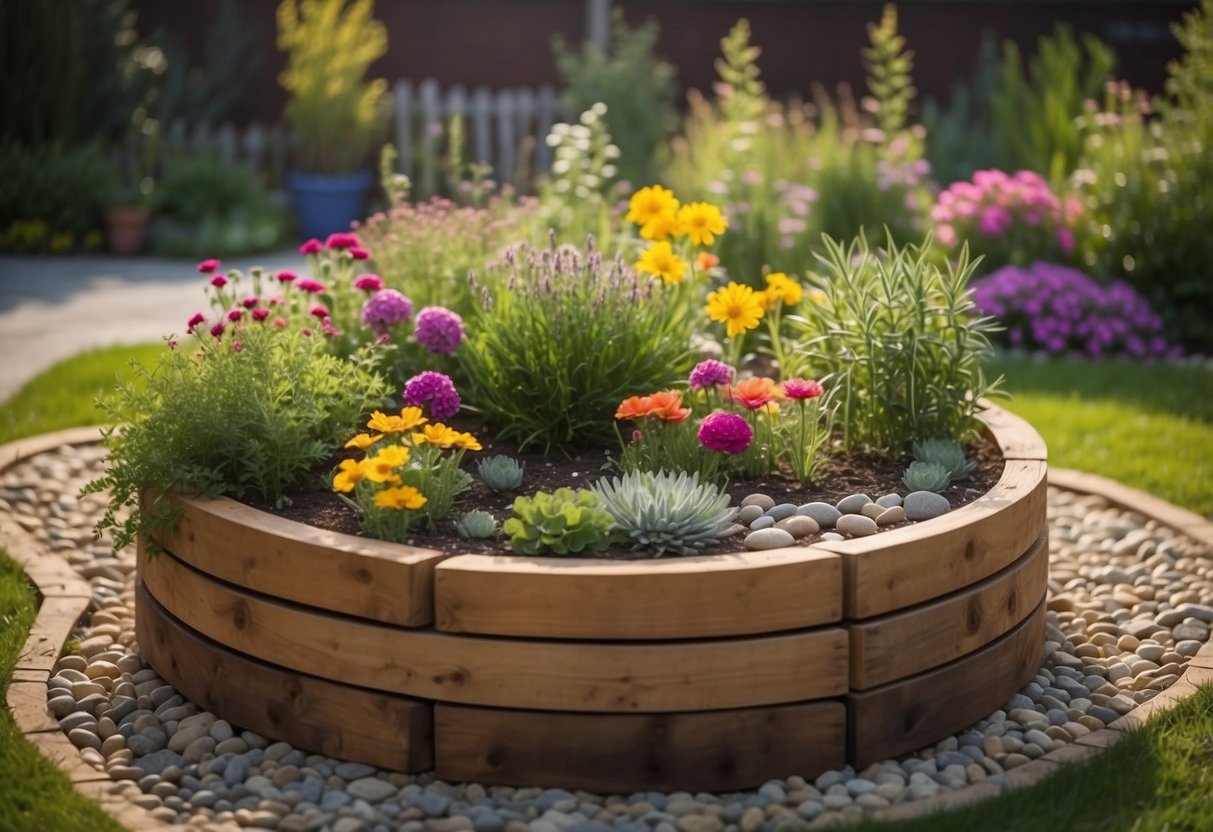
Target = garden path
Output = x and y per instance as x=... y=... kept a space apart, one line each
x=54 y=307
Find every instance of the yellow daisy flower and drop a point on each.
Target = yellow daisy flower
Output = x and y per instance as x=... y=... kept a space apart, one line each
x=468 y=442
x=383 y=423
x=660 y=226
x=736 y=306
x=349 y=473
x=438 y=435
x=401 y=497
x=780 y=287
x=412 y=417
x=382 y=466
x=650 y=202
x=363 y=441
x=660 y=260
x=701 y=221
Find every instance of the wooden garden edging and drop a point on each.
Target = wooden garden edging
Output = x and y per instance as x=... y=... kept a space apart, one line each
x=522 y=670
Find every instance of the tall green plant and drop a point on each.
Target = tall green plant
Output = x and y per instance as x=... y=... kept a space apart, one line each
x=334 y=114
x=897 y=338
x=889 y=65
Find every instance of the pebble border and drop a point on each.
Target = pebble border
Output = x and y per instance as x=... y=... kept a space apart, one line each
x=65 y=598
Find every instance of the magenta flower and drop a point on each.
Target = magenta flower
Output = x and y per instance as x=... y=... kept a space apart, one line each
x=359 y=253
x=260 y=315
x=235 y=315
x=710 y=373
x=217 y=330
x=319 y=311
x=368 y=282
x=312 y=246
x=195 y=319
x=249 y=302
x=311 y=286
x=800 y=388
x=385 y=308
x=329 y=329
x=286 y=277
x=342 y=240
x=436 y=390
x=208 y=266
x=438 y=329
x=218 y=281
x=725 y=432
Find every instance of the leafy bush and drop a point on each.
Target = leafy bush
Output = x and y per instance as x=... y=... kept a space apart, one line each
x=637 y=88
x=562 y=338
x=896 y=336
x=247 y=411
x=662 y=513
x=563 y=522
x=1056 y=309
x=52 y=197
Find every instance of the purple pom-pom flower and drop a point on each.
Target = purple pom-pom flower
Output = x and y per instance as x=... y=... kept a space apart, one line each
x=434 y=390
x=438 y=329
x=725 y=432
x=710 y=373
x=386 y=308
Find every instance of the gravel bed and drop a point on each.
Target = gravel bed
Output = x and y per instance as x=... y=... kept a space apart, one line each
x=1128 y=606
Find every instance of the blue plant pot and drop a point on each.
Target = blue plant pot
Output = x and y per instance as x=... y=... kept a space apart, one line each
x=325 y=204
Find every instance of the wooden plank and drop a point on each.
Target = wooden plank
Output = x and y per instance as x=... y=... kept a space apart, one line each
x=326 y=717
x=554 y=675
x=360 y=576
x=27 y=703
x=56 y=619
x=1016 y=438
x=622 y=753
x=402 y=109
x=481 y=110
x=909 y=565
x=899 y=645
x=507 y=142
x=693 y=597
x=906 y=715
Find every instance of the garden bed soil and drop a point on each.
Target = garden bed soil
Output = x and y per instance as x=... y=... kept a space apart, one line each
x=315 y=504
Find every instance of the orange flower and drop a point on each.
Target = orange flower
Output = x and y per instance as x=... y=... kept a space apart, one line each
x=635 y=407
x=754 y=393
x=705 y=260
x=667 y=406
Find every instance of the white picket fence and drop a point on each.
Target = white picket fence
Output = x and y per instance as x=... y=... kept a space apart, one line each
x=505 y=129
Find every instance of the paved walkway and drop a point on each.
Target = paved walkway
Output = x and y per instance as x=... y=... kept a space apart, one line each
x=54 y=307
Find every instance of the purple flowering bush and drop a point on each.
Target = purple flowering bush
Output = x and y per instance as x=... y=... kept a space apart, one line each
x=1058 y=309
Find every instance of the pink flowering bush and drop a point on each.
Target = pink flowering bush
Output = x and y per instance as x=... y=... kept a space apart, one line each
x=1007 y=218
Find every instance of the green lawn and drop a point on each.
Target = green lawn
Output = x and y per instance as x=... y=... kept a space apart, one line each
x=1150 y=427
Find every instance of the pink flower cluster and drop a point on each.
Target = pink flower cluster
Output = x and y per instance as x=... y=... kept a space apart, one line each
x=435 y=390
x=386 y=308
x=994 y=204
x=710 y=373
x=438 y=329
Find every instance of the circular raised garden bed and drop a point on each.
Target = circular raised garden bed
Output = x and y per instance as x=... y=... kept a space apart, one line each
x=713 y=672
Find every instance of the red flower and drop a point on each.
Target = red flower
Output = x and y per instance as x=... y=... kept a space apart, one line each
x=312 y=246
x=208 y=266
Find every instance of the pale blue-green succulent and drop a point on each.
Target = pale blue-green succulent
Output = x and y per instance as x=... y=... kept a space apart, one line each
x=947 y=453
x=926 y=476
x=501 y=473
x=666 y=514
x=476 y=524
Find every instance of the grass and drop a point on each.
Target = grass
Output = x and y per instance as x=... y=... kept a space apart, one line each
x=1148 y=426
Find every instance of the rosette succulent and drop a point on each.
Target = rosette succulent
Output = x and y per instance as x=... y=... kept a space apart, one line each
x=476 y=524
x=947 y=453
x=926 y=476
x=562 y=522
x=666 y=514
x=500 y=472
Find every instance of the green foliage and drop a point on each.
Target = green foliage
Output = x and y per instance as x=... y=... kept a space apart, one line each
x=926 y=476
x=500 y=472
x=334 y=115
x=247 y=415
x=576 y=200
x=898 y=337
x=743 y=98
x=1035 y=110
x=888 y=64
x=53 y=196
x=663 y=513
x=122 y=72
x=205 y=208
x=637 y=87
x=947 y=453
x=960 y=136
x=476 y=524
x=563 y=522
x=40 y=62
x=563 y=338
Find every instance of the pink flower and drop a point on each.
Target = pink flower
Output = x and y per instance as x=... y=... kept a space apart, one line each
x=1065 y=239
x=342 y=240
x=311 y=286
x=307 y=330
x=725 y=432
x=710 y=373
x=385 y=308
x=235 y=315
x=368 y=282
x=331 y=330
x=359 y=253
x=249 y=302
x=208 y=266
x=799 y=388
x=217 y=330
x=279 y=322
x=319 y=311
x=435 y=389
x=195 y=319
x=438 y=329
x=994 y=221
x=312 y=246
x=237 y=346
x=218 y=281
x=286 y=277
x=259 y=315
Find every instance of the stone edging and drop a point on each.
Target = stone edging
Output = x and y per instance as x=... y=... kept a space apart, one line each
x=65 y=598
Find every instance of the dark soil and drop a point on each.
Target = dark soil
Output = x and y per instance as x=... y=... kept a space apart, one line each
x=315 y=504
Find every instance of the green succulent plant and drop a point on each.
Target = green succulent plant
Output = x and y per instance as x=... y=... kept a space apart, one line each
x=947 y=453
x=926 y=476
x=666 y=514
x=500 y=472
x=563 y=522
x=476 y=524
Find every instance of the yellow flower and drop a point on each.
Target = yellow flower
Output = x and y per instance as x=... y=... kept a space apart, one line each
x=736 y=306
x=438 y=435
x=701 y=221
x=650 y=202
x=381 y=467
x=780 y=287
x=363 y=441
x=404 y=496
x=467 y=441
x=660 y=226
x=660 y=260
x=350 y=473
x=412 y=417
x=409 y=418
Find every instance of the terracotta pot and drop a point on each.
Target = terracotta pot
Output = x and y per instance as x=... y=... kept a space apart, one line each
x=126 y=228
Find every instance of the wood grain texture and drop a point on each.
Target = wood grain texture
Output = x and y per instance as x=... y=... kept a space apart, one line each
x=693 y=597
x=902 y=644
x=908 y=714
x=359 y=576
x=622 y=753
x=326 y=717
x=557 y=675
x=923 y=561
x=1015 y=437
